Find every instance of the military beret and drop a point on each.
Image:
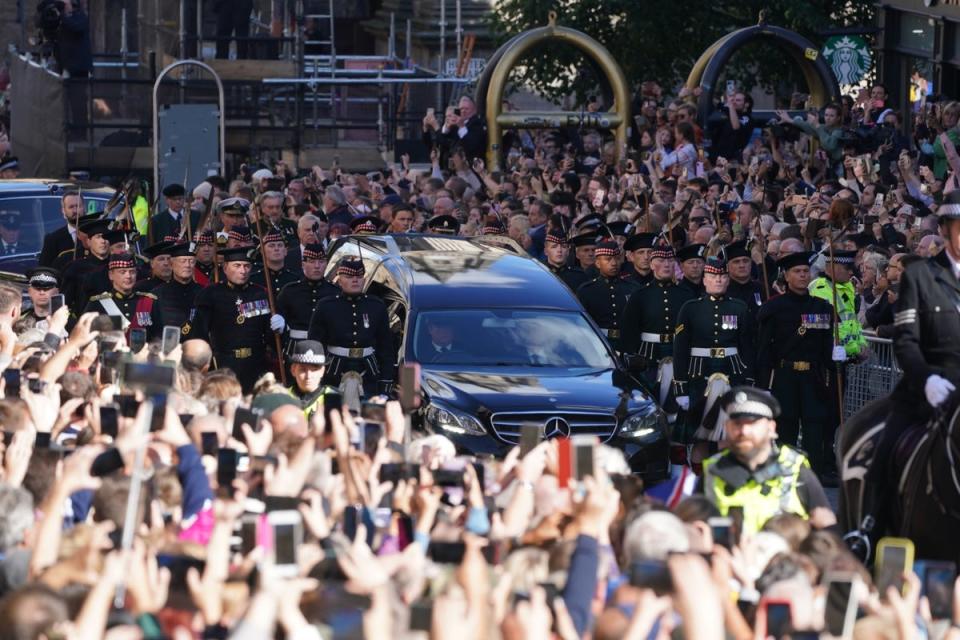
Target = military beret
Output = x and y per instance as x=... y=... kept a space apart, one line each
x=640 y=241
x=691 y=252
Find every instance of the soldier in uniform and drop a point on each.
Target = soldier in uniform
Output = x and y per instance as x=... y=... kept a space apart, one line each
x=307 y=369
x=584 y=251
x=42 y=284
x=234 y=317
x=355 y=330
x=605 y=297
x=136 y=309
x=650 y=318
x=206 y=258
x=365 y=225
x=557 y=253
x=176 y=298
x=98 y=252
x=794 y=353
x=275 y=251
x=638 y=249
x=444 y=225
x=691 y=259
x=742 y=285
x=233 y=213
x=160 y=267
x=297 y=301
x=710 y=337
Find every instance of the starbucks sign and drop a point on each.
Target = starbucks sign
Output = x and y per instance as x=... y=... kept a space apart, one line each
x=849 y=57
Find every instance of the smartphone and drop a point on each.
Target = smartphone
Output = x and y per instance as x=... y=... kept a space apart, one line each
x=178 y=567
x=530 y=433
x=722 y=531
x=446 y=552
x=448 y=477
x=116 y=323
x=736 y=516
x=56 y=302
x=351 y=518
x=106 y=463
x=373 y=412
x=109 y=420
x=244 y=416
x=227 y=462
x=564 y=462
x=456 y=112
x=138 y=340
x=937 y=579
x=840 y=612
x=249 y=525
x=331 y=402
x=421 y=615
x=146 y=375
x=11 y=383
x=431 y=112
x=583 y=458
x=372 y=432
x=894 y=560
x=127 y=402
x=878 y=201
x=598 y=198
x=397 y=471
x=36 y=385
x=287 y=528
x=778 y=618
x=731 y=87
x=171 y=338
x=110 y=359
x=410 y=387
x=653 y=575
x=209 y=444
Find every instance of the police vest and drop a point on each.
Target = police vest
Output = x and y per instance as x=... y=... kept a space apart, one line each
x=309 y=408
x=850 y=329
x=760 y=499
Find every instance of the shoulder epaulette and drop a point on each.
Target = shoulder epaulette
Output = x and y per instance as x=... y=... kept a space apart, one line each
x=100 y=296
x=147 y=294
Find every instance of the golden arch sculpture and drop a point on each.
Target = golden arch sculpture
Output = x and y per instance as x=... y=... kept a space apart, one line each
x=492 y=84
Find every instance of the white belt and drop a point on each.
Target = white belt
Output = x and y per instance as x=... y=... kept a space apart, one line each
x=355 y=352
x=298 y=334
x=715 y=352
x=653 y=337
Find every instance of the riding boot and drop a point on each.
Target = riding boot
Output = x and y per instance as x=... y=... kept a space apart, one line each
x=862 y=540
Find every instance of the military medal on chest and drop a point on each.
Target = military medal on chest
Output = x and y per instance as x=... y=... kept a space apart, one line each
x=240 y=317
x=366 y=321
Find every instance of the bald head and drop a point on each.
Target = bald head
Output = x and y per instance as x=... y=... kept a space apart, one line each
x=289 y=419
x=196 y=356
x=704 y=234
x=790 y=245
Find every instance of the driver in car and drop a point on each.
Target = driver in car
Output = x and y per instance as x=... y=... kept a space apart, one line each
x=443 y=342
x=10 y=233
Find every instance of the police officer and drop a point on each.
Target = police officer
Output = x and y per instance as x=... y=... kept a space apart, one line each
x=176 y=298
x=136 y=309
x=557 y=253
x=649 y=321
x=711 y=336
x=297 y=301
x=355 y=330
x=98 y=252
x=756 y=475
x=839 y=271
x=275 y=250
x=234 y=317
x=42 y=284
x=638 y=249
x=794 y=354
x=691 y=259
x=307 y=369
x=926 y=343
x=742 y=285
x=605 y=297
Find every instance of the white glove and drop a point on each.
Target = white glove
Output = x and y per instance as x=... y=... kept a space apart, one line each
x=839 y=354
x=683 y=402
x=277 y=323
x=937 y=389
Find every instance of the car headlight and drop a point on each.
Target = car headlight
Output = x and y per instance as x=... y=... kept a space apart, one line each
x=641 y=426
x=444 y=419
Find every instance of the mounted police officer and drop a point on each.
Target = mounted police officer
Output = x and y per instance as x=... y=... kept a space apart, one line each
x=557 y=253
x=355 y=330
x=605 y=297
x=927 y=347
x=712 y=335
x=298 y=300
x=176 y=298
x=234 y=317
x=307 y=369
x=136 y=309
x=756 y=475
x=794 y=357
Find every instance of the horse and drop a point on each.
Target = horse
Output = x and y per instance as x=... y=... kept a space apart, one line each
x=926 y=506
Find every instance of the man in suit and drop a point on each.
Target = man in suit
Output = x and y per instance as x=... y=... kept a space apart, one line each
x=443 y=345
x=10 y=233
x=64 y=238
x=307 y=228
x=167 y=224
x=467 y=130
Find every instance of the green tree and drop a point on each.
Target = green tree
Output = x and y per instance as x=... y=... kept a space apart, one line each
x=658 y=40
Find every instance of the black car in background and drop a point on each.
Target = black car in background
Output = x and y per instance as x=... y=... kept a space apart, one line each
x=523 y=351
x=38 y=202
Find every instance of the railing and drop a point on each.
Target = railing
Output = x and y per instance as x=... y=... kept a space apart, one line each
x=871 y=379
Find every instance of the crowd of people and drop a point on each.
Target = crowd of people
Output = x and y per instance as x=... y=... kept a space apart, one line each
x=159 y=484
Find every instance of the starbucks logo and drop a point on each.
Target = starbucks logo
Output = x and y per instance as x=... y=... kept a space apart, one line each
x=849 y=58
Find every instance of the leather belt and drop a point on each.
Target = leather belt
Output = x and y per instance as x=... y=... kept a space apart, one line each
x=713 y=352
x=298 y=334
x=796 y=365
x=352 y=352
x=657 y=338
x=240 y=354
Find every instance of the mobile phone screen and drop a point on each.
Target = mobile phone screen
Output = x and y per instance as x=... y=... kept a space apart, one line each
x=529 y=437
x=138 y=339
x=56 y=302
x=722 y=531
x=109 y=421
x=227 y=460
x=891 y=568
x=564 y=462
x=446 y=552
x=778 y=619
x=171 y=338
x=11 y=382
x=209 y=443
x=838 y=602
x=244 y=416
x=938 y=581
x=584 y=461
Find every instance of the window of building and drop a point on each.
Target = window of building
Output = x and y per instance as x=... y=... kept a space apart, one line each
x=916 y=33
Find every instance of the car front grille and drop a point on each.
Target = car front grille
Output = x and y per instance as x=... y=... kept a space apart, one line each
x=507 y=424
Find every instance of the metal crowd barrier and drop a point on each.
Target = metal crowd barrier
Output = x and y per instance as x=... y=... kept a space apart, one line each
x=871 y=379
